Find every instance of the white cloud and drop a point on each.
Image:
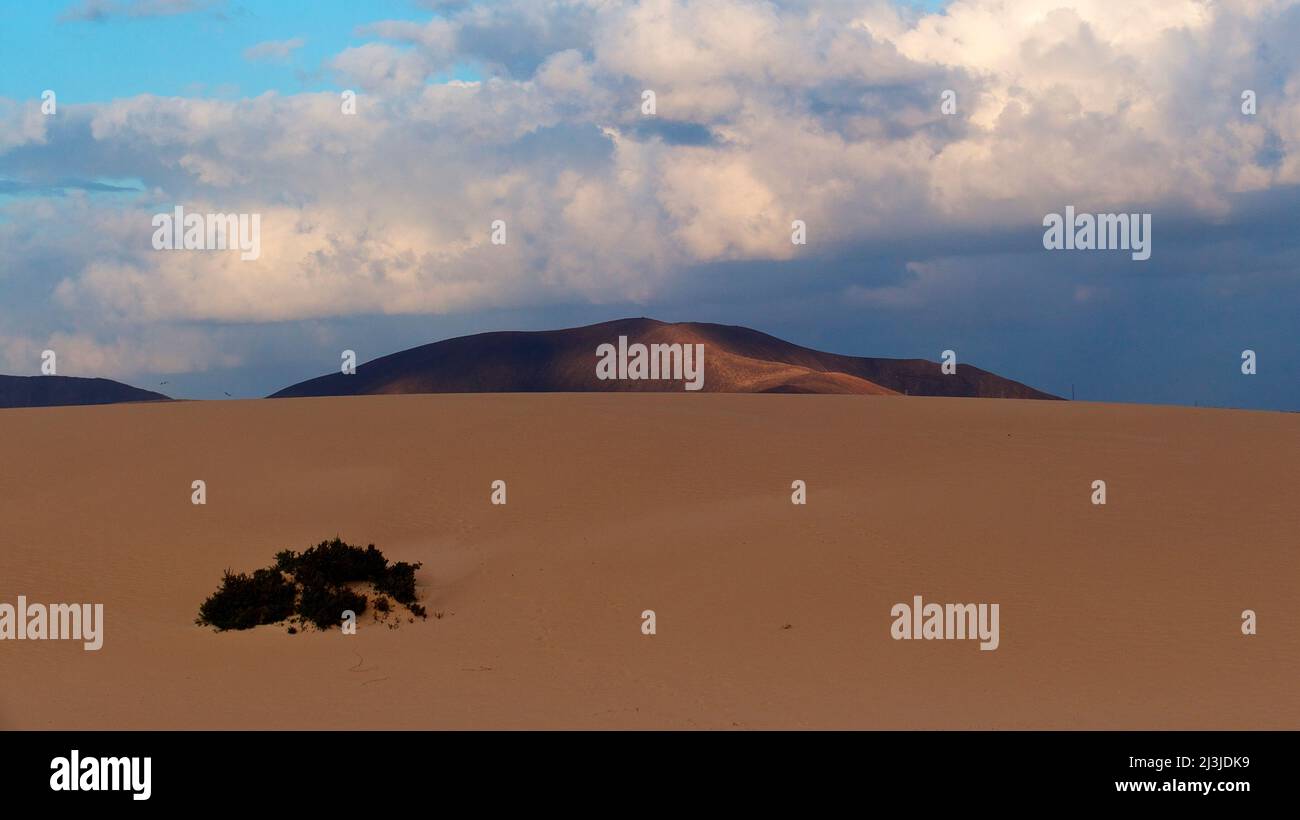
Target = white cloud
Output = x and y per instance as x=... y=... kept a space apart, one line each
x=22 y=124
x=274 y=50
x=821 y=111
x=165 y=350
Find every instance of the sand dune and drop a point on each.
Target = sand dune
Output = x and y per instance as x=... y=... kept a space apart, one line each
x=768 y=614
x=738 y=360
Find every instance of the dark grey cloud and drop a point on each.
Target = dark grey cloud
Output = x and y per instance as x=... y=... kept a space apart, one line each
x=674 y=132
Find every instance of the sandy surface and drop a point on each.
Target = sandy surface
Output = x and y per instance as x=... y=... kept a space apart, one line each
x=1122 y=616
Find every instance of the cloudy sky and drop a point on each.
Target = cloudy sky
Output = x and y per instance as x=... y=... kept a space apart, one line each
x=924 y=228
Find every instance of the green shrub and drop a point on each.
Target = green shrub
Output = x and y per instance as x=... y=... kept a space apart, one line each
x=399 y=582
x=334 y=562
x=313 y=585
x=323 y=604
x=245 y=601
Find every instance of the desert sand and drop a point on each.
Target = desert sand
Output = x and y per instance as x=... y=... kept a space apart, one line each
x=769 y=615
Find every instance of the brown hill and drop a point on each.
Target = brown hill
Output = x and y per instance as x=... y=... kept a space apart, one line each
x=54 y=391
x=737 y=360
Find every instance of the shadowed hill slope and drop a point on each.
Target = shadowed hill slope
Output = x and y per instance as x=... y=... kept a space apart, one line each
x=54 y=391
x=736 y=360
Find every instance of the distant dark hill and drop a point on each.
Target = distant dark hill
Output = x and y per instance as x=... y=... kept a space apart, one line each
x=736 y=360
x=53 y=391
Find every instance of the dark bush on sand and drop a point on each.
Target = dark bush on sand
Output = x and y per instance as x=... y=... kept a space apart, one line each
x=245 y=601
x=323 y=605
x=312 y=587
